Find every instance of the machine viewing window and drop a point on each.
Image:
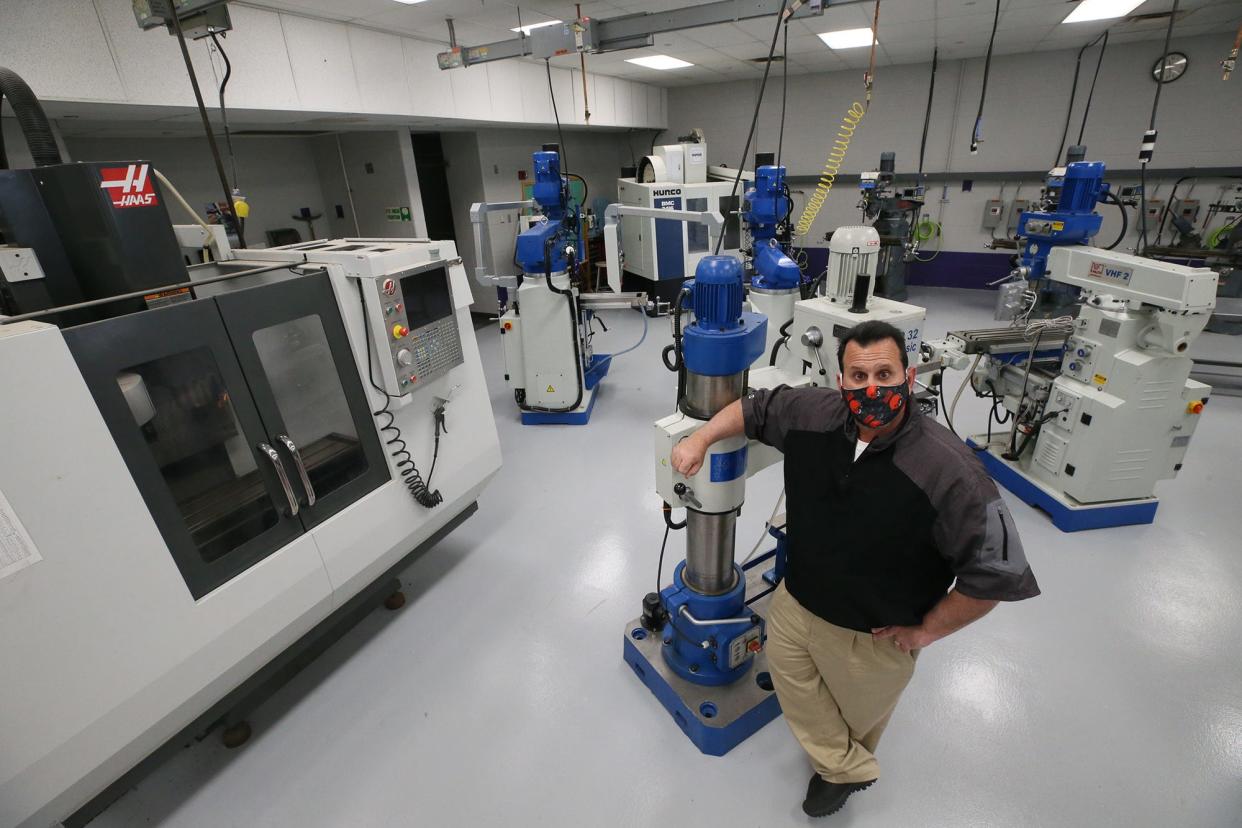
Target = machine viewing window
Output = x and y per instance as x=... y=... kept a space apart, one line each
x=181 y=405
x=427 y=297
x=696 y=234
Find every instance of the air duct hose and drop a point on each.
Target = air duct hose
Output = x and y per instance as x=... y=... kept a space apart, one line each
x=31 y=119
x=836 y=157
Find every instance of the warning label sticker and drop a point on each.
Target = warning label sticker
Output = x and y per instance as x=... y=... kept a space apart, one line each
x=17 y=550
x=129 y=186
x=551 y=390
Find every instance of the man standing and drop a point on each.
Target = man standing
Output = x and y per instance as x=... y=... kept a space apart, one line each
x=886 y=511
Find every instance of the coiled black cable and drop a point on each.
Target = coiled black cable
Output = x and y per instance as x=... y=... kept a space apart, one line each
x=410 y=475
x=390 y=433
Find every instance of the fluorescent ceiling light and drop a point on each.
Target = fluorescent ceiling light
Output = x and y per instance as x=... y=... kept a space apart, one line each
x=410 y=2
x=847 y=38
x=659 y=62
x=1101 y=10
x=526 y=29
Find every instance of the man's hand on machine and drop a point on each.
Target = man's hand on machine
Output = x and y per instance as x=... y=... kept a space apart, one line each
x=688 y=455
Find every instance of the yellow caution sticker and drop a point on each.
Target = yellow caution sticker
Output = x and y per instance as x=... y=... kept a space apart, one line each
x=1100 y=380
x=1058 y=225
x=551 y=390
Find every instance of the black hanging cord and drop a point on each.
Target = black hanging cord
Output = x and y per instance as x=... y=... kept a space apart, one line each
x=1109 y=195
x=931 y=91
x=983 y=94
x=1151 y=126
x=31 y=118
x=224 y=112
x=750 y=136
x=555 y=114
x=211 y=137
x=780 y=141
x=1069 y=110
x=1082 y=128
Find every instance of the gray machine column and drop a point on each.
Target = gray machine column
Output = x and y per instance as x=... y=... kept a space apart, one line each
x=710 y=537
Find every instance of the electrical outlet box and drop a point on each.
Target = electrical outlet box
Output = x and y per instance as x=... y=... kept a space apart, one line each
x=993 y=210
x=1016 y=209
x=1187 y=208
x=1154 y=207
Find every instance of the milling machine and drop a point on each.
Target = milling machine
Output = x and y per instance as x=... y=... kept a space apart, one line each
x=776 y=279
x=1102 y=404
x=546 y=326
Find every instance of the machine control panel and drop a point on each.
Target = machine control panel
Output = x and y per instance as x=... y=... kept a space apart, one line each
x=1079 y=358
x=421 y=322
x=745 y=645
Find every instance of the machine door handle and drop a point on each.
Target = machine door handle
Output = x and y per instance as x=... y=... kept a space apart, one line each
x=283 y=477
x=284 y=440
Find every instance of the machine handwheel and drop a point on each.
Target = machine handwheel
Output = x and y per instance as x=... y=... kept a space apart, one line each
x=395 y=601
x=236 y=735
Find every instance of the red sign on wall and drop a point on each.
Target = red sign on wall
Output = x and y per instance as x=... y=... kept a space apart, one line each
x=129 y=186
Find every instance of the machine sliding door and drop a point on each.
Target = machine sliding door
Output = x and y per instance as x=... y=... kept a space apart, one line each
x=172 y=393
x=294 y=351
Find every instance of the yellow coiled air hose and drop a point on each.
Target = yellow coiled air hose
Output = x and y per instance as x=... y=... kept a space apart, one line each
x=836 y=157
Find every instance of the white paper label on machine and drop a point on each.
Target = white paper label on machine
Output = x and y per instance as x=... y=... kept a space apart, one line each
x=17 y=550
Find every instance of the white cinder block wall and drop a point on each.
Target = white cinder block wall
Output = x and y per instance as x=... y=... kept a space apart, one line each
x=1199 y=121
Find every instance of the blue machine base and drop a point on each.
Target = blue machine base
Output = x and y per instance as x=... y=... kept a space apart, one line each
x=580 y=416
x=709 y=738
x=1066 y=518
x=717 y=719
x=600 y=363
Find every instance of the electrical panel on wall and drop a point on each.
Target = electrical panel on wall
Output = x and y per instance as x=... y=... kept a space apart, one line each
x=1187 y=208
x=993 y=210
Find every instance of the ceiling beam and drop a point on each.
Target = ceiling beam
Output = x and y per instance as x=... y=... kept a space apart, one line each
x=634 y=31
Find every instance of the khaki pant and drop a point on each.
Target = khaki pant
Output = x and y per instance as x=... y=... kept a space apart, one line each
x=837 y=687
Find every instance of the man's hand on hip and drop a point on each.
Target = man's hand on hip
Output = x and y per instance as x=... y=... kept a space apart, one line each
x=906 y=638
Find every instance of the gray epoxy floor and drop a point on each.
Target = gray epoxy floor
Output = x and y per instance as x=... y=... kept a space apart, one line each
x=498 y=695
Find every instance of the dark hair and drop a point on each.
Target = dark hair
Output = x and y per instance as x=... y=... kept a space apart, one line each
x=869 y=333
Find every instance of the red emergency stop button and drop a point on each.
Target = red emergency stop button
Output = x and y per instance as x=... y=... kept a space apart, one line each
x=755 y=645
x=399 y=331
x=1195 y=407
x=508 y=326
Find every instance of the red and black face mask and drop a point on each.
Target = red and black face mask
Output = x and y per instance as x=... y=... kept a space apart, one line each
x=876 y=406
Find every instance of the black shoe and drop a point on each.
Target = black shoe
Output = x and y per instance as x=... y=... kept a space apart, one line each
x=824 y=798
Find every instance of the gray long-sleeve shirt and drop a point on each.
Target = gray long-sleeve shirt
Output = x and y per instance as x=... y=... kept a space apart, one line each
x=879 y=541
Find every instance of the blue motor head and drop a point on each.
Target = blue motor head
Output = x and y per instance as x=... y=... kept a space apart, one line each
x=718 y=292
x=548 y=190
x=774 y=270
x=724 y=339
x=766 y=203
x=1081 y=187
x=542 y=246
